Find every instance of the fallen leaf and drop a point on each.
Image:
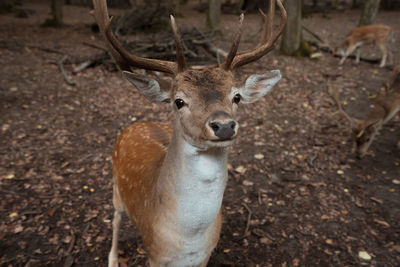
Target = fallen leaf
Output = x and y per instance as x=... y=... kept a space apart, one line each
x=383 y=223
x=329 y=242
x=13 y=214
x=364 y=255
x=38 y=251
x=5 y=127
x=240 y=169
x=10 y=176
x=18 y=229
x=324 y=217
x=258 y=156
x=140 y=251
x=247 y=183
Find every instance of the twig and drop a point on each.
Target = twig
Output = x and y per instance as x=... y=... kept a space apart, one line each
x=83 y=66
x=311 y=160
x=95 y=46
x=71 y=246
x=61 y=67
x=248 y=218
x=49 y=50
x=9 y=192
x=313 y=34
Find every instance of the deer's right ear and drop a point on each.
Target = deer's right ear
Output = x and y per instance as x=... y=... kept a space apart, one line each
x=148 y=87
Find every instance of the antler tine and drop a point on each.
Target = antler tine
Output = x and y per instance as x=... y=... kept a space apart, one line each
x=121 y=55
x=180 y=53
x=235 y=45
x=335 y=95
x=102 y=19
x=267 y=42
x=268 y=23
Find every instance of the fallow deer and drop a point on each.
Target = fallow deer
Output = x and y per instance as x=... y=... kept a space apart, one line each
x=170 y=180
x=385 y=108
x=371 y=34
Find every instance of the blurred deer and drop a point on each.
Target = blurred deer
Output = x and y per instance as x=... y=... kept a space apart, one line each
x=170 y=180
x=371 y=34
x=385 y=108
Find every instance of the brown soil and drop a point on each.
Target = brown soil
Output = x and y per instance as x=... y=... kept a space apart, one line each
x=312 y=202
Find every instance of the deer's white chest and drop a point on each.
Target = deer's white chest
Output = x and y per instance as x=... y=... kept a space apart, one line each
x=202 y=182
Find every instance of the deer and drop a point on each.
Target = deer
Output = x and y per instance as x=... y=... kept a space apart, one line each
x=385 y=107
x=170 y=179
x=376 y=34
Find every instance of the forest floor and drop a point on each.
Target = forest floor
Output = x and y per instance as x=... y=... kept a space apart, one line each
x=312 y=202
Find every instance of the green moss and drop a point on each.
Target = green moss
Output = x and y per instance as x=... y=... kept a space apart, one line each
x=303 y=51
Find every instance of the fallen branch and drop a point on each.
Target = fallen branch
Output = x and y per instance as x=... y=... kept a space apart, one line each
x=49 y=50
x=83 y=66
x=95 y=46
x=316 y=36
x=61 y=67
x=248 y=218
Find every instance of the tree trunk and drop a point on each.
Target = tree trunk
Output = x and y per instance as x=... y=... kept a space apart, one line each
x=56 y=10
x=213 y=14
x=291 y=37
x=253 y=5
x=370 y=10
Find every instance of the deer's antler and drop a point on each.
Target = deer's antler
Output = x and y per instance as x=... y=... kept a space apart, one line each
x=266 y=43
x=125 y=59
x=333 y=92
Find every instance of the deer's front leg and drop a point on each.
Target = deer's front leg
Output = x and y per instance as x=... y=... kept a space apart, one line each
x=116 y=223
x=358 y=55
x=384 y=54
x=346 y=53
x=113 y=256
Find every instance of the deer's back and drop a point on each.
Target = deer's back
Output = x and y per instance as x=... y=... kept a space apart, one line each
x=370 y=33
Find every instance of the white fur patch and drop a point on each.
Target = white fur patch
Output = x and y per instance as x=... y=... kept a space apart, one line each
x=200 y=183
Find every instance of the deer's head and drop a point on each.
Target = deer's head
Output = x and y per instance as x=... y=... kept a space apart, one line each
x=204 y=99
x=364 y=133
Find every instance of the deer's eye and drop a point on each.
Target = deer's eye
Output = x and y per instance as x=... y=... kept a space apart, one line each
x=179 y=103
x=236 y=98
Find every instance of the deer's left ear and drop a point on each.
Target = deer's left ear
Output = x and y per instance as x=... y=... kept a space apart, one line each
x=258 y=85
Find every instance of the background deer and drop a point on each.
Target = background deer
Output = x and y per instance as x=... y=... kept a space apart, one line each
x=170 y=181
x=385 y=108
x=370 y=34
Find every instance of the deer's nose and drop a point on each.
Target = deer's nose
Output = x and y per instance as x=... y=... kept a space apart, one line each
x=223 y=131
x=222 y=126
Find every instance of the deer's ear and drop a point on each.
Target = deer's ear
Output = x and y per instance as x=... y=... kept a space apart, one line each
x=258 y=85
x=149 y=87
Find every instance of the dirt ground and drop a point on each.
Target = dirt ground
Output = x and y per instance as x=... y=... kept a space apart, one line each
x=307 y=202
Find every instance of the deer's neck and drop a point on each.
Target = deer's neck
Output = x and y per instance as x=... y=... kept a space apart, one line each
x=198 y=179
x=387 y=107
